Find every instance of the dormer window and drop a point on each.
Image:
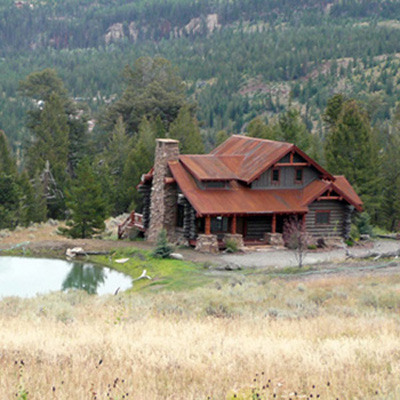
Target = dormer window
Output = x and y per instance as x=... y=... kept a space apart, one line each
x=275 y=175
x=216 y=184
x=298 y=175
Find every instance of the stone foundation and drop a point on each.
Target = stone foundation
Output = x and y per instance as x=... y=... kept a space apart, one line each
x=235 y=238
x=274 y=239
x=207 y=244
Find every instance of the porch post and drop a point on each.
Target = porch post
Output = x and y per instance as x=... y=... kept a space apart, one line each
x=273 y=223
x=207 y=227
x=304 y=220
x=233 y=226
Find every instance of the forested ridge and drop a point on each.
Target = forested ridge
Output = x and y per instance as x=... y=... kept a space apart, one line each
x=268 y=68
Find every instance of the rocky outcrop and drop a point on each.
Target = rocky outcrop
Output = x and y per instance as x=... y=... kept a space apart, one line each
x=196 y=26
x=202 y=25
x=114 y=33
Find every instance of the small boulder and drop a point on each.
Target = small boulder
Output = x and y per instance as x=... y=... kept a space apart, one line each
x=176 y=256
x=365 y=237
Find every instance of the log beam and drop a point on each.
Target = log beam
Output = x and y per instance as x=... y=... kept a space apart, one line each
x=207 y=225
x=233 y=225
x=274 y=223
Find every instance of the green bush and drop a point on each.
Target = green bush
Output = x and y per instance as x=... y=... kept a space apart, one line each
x=231 y=246
x=363 y=223
x=163 y=247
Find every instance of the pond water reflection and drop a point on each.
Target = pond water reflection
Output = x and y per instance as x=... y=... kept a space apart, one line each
x=26 y=277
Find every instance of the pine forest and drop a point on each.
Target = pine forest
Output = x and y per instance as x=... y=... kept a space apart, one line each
x=86 y=86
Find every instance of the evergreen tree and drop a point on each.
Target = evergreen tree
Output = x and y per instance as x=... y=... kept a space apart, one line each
x=10 y=198
x=220 y=137
x=116 y=157
x=185 y=129
x=86 y=203
x=333 y=109
x=33 y=199
x=41 y=85
x=351 y=151
x=257 y=128
x=51 y=141
x=153 y=89
x=391 y=174
x=293 y=130
x=7 y=162
x=140 y=161
x=163 y=248
x=56 y=112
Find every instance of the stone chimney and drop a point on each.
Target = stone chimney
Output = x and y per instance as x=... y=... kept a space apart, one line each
x=163 y=195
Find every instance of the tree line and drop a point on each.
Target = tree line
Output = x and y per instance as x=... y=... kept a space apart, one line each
x=84 y=176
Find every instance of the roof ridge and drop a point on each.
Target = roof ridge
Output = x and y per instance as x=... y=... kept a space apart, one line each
x=261 y=139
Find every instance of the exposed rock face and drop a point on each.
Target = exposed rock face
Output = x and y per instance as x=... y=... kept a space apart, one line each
x=199 y=24
x=212 y=23
x=133 y=31
x=207 y=244
x=163 y=195
x=114 y=32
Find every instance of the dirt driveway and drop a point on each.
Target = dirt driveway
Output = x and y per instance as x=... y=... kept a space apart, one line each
x=43 y=237
x=270 y=257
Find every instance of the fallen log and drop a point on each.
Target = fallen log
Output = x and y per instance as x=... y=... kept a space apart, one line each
x=394 y=236
x=78 y=251
x=375 y=255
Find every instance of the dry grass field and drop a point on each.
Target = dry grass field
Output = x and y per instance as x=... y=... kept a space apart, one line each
x=323 y=338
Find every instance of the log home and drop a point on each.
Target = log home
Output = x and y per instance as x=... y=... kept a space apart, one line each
x=242 y=191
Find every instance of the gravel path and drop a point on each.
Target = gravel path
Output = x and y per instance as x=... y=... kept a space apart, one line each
x=270 y=257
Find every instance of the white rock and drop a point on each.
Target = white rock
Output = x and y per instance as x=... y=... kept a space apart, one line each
x=176 y=256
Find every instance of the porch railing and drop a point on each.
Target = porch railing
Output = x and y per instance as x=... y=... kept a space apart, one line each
x=133 y=220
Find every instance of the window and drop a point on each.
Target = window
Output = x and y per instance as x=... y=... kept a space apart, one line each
x=215 y=184
x=219 y=224
x=298 y=175
x=180 y=216
x=275 y=175
x=322 y=217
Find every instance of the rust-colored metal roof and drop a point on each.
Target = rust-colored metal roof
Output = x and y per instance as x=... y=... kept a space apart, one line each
x=209 y=167
x=244 y=159
x=238 y=199
x=341 y=186
x=257 y=154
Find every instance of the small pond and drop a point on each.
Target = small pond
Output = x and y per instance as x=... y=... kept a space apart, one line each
x=26 y=277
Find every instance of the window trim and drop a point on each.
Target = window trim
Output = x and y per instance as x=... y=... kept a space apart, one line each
x=298 y=182
x=275 y=182
x=317 y=212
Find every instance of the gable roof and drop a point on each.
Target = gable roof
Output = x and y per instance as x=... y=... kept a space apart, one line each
x=243 y=158
x=238 y=199
x=341 y=186
x=209 y=167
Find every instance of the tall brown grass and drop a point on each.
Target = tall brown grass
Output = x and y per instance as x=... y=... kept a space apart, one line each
x=336 y=338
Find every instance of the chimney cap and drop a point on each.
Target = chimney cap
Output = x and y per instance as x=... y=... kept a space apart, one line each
x=167 y=141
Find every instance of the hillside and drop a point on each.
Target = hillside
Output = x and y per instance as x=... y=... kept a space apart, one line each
x=238 y=59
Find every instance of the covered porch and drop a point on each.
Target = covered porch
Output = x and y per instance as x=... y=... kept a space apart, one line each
x=246 y=230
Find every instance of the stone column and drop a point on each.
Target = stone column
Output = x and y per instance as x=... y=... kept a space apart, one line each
x=348 y=211
x=163 y=196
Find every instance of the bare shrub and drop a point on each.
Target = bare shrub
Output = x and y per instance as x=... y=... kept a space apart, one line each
x=296 y=238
